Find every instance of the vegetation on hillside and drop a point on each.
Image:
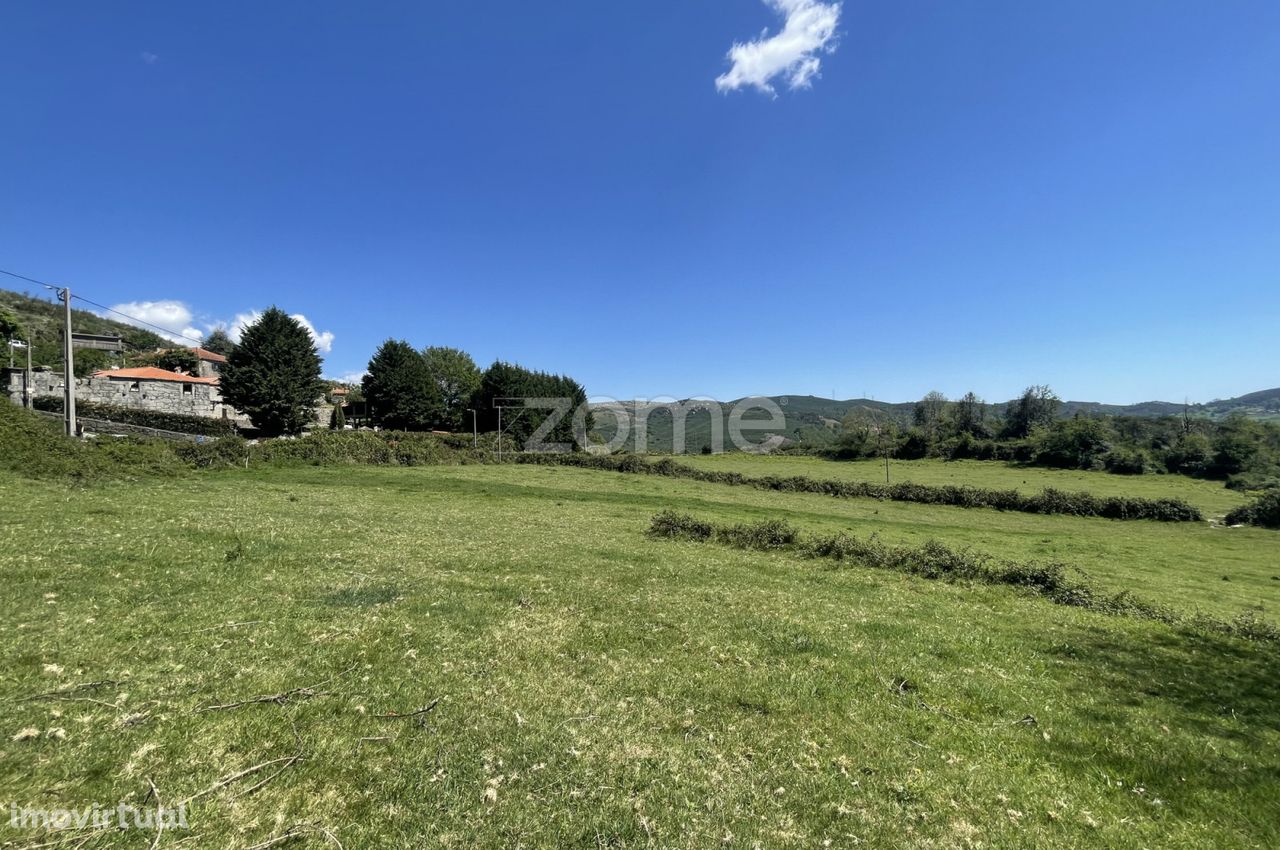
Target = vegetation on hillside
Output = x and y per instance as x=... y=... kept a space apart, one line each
x=42 y=321
x=1243 y=452
x=35 y=446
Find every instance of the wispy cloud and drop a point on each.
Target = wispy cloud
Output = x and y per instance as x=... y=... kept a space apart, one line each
x=152 y=315
x=148 y=57
x=809 y=29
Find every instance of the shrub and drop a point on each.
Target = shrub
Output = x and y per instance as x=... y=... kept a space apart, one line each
x=676 y=526
x=178 y=422
x=936 y=561
x=1048 y=502
x=34 y=446
x=767 y=534
x=1263 y=512
x=1126 y=461
x=225 y=453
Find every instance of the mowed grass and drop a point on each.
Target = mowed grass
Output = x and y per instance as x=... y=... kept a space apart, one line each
x=1211 y=497
x=600 y=689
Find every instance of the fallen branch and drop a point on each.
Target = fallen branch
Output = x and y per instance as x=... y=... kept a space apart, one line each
x=397 y=716
x=298 y=831
x=248 y=771
x=159 y=830
x=223 y=626
x=68 y=689
x=278 y=699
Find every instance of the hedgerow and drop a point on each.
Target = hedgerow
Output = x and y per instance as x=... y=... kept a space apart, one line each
x=181 y=423
x=1049 y=501
x=35 y=446
x=1057 y=582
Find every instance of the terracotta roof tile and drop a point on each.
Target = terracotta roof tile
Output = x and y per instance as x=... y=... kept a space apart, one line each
x=151 y=373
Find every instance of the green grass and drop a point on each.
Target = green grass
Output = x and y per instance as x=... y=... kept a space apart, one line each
x=608 y=689
x=1210 y=496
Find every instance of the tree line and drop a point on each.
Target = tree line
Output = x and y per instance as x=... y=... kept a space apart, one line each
x=441 y=389
x=1241 y=451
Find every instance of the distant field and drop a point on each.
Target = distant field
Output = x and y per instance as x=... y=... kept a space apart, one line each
x=600 y=689
x=1210 y=496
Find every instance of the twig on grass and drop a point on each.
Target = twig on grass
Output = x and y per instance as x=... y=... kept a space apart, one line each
x=281 y=698
x=298 y=830
x=159 y=826
x=393 y=715
x=223 y=626
x=68 y=689
x=241 y=774
x=297 y=757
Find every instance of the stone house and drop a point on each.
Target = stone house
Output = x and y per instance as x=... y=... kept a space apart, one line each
x=144 y=388
x=210 y=363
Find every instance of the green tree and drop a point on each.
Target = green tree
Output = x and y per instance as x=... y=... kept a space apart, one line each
x=179 y=360
x=1077 y=443
x=399 y=389
x=968 y=415
x=509 y=381
x=339 y=420
x=219 y=343
x=457 y=378
x=273 y=375
x=929 y=411
x=90 y=360
x=1038 y=407
x=11 y=329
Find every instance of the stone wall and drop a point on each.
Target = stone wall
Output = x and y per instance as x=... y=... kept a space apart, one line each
x=163 y=396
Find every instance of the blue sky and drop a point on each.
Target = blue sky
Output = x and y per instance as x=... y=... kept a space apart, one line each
x=930 y=195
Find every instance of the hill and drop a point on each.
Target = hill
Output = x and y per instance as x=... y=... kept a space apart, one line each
x=43 y=320
x=815 y=420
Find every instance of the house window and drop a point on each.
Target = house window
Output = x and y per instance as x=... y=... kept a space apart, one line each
x=186 y=389
x=134 y=387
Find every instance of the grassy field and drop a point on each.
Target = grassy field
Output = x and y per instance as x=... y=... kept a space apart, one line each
x=600 y=689
x=1210 y=496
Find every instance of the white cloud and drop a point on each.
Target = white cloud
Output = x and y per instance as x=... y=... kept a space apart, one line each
x=810 y=29
x=174 y=316
x=349 y=377
x=173 y=320
x=148 y=57
x=322 y=339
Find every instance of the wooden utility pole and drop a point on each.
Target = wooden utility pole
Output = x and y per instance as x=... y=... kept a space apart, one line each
x=26 y=378
x=68 y=369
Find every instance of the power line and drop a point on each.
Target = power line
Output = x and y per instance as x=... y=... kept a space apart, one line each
x=136 y=319
x=104 y=307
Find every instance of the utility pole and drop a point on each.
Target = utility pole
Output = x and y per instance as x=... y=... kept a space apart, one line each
x=475 y=433
x=26 y=378
x=68 y=371
x=499 y=434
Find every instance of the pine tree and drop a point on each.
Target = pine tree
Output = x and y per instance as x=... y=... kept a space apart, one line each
x=273 y=375
x=219 y=343
x=399 y=389
x=339 y=420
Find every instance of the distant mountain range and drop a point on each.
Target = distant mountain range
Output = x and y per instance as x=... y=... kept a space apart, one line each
x=814 y=420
